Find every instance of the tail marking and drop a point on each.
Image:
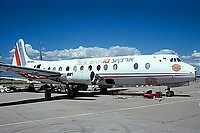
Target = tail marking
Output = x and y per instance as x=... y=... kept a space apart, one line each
x=16 y=56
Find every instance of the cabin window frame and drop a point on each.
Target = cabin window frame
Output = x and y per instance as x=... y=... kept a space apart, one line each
x=60 y=69
x=82 y=68
x=90 y=67
x=105 y=67
x=147 y=66
x=115 y=67
x=75 y=68
x=135 y=66
x=67 y=68
x=98 y=67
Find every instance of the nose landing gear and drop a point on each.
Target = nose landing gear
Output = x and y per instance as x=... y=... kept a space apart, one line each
x=169 y=93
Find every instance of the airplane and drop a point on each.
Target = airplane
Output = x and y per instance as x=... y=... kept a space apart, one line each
x=77 y=74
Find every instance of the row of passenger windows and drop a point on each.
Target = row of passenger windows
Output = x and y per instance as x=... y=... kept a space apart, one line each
x=98 y=67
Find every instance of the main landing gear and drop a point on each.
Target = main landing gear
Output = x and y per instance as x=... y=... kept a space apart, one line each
x=103 y=91
x=169 y=93
x=47 y=92
x=72 y=90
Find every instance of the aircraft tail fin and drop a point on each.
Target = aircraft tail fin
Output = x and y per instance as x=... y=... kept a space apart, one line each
x=20 y=56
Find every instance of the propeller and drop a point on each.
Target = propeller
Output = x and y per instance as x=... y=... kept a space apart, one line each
x=95 y=78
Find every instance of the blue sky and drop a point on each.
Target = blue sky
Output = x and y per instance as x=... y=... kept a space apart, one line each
x=148 y=25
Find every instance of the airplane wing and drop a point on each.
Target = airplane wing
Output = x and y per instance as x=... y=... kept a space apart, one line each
x=33 y=73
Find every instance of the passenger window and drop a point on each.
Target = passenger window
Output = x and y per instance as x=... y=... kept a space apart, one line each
x=171 y=59
x=89 y=67
x=67 y=68
x=135 y=66
x=60 y=69
x=38 y=66
x=49 y=68
x=105 y=67
x=75 y=68
x=98 y=67
x=54 y=68
x=82 y=67
x=147 y=65
x=115 y=66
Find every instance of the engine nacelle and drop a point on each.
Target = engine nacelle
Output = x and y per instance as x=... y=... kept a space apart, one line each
x=80 y=77
x=64 y=77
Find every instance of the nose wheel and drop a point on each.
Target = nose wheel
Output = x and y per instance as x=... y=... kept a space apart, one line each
x=169 y=93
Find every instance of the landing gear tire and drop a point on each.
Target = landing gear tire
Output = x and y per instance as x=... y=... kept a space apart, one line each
x=103 y=91
x=169 y=93
x=47 y=92
x=73 y=91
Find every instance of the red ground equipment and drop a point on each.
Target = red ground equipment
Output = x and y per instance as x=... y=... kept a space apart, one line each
x=149 y=94
x=158 y=94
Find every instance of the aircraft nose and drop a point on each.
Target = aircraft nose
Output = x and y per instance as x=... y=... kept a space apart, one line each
x=195 y=70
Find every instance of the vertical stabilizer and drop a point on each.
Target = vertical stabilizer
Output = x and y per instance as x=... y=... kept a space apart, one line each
x=20 y=56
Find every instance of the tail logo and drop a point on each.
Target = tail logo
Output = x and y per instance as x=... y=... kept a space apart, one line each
x=16 y=55
x=176 y=67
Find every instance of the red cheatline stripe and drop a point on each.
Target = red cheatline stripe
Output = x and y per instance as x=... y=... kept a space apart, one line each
x=144 y=76
x=17 y=56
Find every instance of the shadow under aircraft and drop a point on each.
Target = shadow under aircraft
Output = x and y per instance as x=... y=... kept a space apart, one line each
x=54 y=98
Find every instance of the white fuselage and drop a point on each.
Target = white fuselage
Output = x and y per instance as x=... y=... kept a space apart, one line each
x=122 y=70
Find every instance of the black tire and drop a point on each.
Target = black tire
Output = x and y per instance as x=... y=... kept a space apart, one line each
x=47 y=93
x=172 y=93
x=71 y=93
x=168 y=94
x=76 y=92
x=103 y=91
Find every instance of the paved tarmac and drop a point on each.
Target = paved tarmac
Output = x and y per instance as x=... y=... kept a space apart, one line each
x=28 y=112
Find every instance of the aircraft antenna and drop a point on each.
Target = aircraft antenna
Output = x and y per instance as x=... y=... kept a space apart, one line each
x=40 y=50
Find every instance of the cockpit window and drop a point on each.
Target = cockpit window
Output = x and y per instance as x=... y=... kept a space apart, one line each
x=175 y=60
x=178 y=59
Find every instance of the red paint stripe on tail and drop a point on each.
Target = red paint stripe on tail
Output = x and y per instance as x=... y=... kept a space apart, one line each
x=17 y=56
